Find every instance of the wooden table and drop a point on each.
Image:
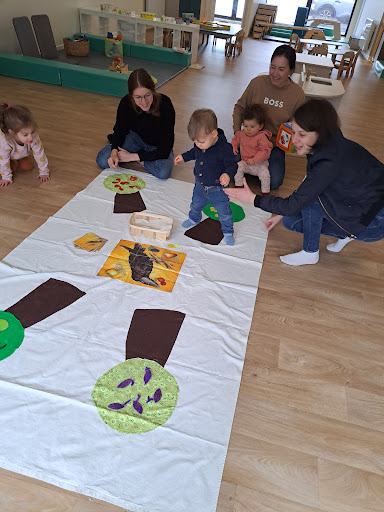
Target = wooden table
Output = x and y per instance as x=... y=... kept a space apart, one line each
x=322 y=66
x=341 y=51
x=319 y=42
x=220 y=33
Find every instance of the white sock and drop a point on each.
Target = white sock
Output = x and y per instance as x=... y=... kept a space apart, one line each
x=300 y=258
x=337 y=246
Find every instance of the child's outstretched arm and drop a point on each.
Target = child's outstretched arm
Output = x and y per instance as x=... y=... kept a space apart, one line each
x=224 y=179
x=41 y=159
x=5 y=164
x=236 y=143
x=178 y=159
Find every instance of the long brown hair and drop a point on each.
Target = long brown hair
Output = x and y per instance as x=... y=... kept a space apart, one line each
x=141 y=78
x=15 y=118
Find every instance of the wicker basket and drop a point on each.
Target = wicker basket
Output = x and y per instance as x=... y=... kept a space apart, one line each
x=76 y=48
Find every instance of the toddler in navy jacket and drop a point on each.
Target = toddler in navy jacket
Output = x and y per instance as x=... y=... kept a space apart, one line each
x=215 y=167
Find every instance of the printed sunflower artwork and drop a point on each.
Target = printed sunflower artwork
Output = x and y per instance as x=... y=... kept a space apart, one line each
x=90 y=242
x=144 y=265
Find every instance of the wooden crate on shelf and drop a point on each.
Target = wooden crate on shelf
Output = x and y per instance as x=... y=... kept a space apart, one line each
x=265 y=14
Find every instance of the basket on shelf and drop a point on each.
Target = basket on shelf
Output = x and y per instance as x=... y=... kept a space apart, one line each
x=76 y=48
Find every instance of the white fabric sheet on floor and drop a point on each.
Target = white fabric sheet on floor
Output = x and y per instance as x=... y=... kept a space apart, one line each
x=51 y=429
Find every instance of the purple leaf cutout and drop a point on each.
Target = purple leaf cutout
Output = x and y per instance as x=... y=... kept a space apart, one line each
x=157 y=395
x=137 y=406
x=126 y=383
x=147 y=375
x=116 y=406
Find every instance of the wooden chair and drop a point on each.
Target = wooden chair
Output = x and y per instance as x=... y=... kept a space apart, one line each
x=319 y=50
x=312 y=34
x=345 y=63
x=294 y=41
x=231 y=47
x=352 y=70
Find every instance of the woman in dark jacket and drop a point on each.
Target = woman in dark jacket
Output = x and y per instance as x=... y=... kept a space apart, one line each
x=342 y=194
x=144 y=129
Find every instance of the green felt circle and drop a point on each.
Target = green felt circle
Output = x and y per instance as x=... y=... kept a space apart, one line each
x=127 y=419
x=11 y=334
x=134 y=183
x=238 y=213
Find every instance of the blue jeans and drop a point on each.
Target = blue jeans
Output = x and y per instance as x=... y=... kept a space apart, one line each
x=312 y=223
x=218 y=198
x=276 y=164
x=277 y=167
x=133 y=143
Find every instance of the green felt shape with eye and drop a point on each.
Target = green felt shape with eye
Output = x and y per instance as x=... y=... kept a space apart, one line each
x=238 y=213
x=136 y=396
x=124 y=183
x=11 y=334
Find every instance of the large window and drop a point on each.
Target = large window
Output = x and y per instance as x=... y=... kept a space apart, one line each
x=231 y=9
x=336 y=10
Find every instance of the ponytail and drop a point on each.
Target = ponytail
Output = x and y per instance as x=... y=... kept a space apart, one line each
x=15 y=118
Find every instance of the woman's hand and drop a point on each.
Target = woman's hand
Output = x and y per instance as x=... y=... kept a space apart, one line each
x=43 y=178
x=241 y=194
x=178 y=159
x=224 y=179
x=126 y=156
x=272 y=221
x=113 y=160
x=5 y=183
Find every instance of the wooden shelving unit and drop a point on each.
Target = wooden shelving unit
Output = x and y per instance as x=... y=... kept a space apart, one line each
x=265 y=14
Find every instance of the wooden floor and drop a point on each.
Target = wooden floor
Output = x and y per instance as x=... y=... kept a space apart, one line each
x=308 y=433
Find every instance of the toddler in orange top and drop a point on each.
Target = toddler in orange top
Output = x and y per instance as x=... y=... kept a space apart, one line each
x=255 y=147
x=18 y=139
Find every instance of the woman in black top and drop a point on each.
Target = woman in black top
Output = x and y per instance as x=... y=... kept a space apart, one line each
x=144 y=129
x=342 y=194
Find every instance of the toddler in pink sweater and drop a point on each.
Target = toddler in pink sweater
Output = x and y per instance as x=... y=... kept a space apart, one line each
x=18 y=140
x=255 y=147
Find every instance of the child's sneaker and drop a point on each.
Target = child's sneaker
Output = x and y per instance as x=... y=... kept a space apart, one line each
x=189 y=223
x=229 y=239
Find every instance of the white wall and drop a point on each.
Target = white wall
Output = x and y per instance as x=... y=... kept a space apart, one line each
x=63 y=15
x=371 y=9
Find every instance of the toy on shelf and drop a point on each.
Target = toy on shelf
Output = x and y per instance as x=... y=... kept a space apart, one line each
x=151 y=225
x=125 y=12
x=118 y=66
x=109 y=8
x=212 y=25
x=148 y=15
x=188 y=16
x=168 y=19
x=284 y=138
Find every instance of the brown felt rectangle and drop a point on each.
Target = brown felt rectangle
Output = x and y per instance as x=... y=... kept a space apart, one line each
x=152 y=334
x=44 y=301
x=209 y=232
x=129 y=203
